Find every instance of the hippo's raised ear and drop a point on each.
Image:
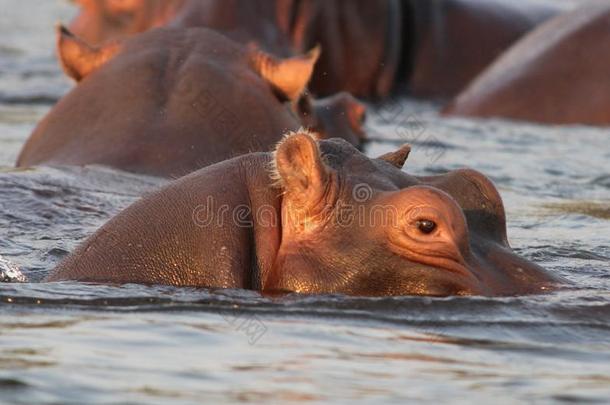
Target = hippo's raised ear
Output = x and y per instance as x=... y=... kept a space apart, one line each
x=300 y=171
x=398 y=157
x=79 y=59
x=287 y=76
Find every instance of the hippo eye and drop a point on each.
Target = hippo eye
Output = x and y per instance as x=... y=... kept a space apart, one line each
x=426 y=226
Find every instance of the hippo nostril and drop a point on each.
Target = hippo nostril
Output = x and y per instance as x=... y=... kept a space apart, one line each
x=426 y=226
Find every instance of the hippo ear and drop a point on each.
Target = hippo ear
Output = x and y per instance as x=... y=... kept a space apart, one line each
x=287 y=76
x=398 y=157
x=79 y=59
x=299 y=169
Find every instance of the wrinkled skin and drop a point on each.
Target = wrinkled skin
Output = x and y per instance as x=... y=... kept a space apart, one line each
x=558 y=74
x=370 y=48
x=326 y=220
x=170 y=101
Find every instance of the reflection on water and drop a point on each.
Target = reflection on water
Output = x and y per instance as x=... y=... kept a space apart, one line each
x=592 y=209
x=77 y=343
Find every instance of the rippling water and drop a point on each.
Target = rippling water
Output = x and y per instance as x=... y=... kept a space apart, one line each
x=75 y=343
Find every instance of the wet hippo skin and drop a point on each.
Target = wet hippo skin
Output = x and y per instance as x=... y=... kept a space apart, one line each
x=170 y=101
x=313 y=217
x=558 y=74
x=371 y=48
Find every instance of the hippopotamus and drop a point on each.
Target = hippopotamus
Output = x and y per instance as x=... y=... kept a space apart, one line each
x=242 y=20
x=279 y=26
x=102 y=20
x=452 y=41
x=431 y=48
x=340 y=115
x=558 y=74
x=313 y=216
x=172 y=100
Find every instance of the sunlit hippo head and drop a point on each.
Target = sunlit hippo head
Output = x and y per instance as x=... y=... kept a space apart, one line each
x=313 y=217
x=361 y=226
x=101 y=20
x=168 y=102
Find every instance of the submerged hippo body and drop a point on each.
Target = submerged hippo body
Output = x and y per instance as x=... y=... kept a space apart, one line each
x=244 y=20
x=170 y=101
x=313 y=217
x=558 y=74
x=370 y=47
x=347 y=30
x=452 y=41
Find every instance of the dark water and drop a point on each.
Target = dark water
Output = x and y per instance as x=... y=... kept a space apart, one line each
x=75 y=343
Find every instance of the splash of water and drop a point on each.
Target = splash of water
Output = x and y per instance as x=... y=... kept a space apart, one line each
x=10 y=273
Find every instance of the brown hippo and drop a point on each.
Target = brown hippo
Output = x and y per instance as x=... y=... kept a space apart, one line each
x=452 y=41
x=101 y=20
x=170 y=101
x=341 y=116
x=371 y=47
x=279 y=26
x=558 y=74
x=313 y=217
x=244 y=20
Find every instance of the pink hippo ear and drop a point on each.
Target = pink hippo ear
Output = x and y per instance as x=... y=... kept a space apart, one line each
x=298 y=164
x=398 y=157
x=287 y=76
x=79 y=59
x=304 y=178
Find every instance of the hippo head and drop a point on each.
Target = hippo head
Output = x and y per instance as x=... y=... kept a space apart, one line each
x=168 y=101
x=101 y=20
x=361 y=226
x=339 y=116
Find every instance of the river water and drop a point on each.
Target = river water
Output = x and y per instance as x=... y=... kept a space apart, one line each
x=68 y=343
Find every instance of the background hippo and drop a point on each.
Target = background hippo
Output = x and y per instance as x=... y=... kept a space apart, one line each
x=313 y=219
x=558 y=74
x=170 y=101
x=101 y=20
x=452 y=41
x=371 y=47
x=338 y=116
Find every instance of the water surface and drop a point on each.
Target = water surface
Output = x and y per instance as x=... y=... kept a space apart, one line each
x=73 y=343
